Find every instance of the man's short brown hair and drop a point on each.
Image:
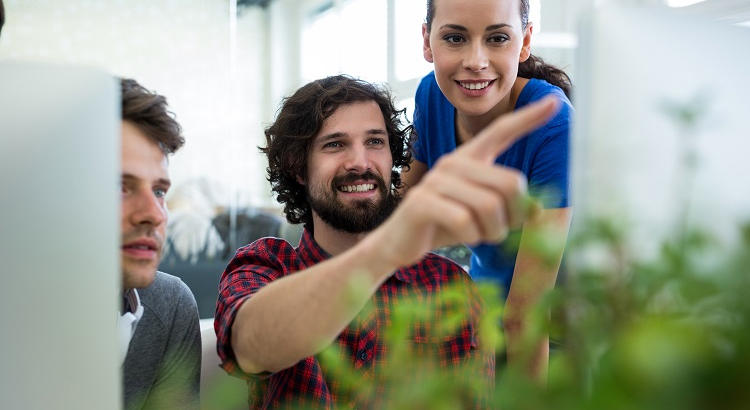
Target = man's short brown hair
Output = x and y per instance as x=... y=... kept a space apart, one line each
x=148 y=112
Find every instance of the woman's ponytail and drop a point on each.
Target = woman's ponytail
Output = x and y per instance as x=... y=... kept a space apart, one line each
x=535 y=67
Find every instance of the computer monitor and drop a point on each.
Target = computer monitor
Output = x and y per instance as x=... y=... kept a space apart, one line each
x=661 y=138
x=59 y=215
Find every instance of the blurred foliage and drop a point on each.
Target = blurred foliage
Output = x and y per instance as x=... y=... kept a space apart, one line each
x=672 y=332
x=668 y=332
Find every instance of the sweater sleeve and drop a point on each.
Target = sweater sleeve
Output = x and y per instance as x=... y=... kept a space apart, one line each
x=177 y=384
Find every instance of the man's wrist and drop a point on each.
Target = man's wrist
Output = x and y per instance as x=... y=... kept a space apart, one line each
x=375 y=255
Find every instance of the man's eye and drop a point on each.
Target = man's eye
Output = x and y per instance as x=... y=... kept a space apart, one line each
x=332 y=144
x=453 y=38
x=377 y=141
x=160 y=193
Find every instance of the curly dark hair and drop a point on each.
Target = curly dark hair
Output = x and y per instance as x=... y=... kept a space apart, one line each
x=533 y=67
x=148 y=111
x=2 y=16
x=299 y=120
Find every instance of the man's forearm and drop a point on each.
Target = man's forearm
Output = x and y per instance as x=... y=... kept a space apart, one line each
x=297 y=316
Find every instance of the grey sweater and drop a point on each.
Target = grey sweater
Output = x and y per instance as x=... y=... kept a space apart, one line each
x=162 y=366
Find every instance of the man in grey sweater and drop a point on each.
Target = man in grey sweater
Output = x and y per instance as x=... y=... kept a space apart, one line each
x=158 y=325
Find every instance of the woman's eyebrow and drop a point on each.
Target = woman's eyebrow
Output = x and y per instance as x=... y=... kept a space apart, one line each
x=459 y=27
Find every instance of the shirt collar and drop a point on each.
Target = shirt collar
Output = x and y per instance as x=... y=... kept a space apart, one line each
x=131 y=301
x=312 y=253
x=405 y=274
x=128 y=320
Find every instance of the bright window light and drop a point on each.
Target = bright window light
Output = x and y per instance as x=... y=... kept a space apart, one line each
x=350 y=39
x=319 y=59
x=682 y=3
x=535 y=15
x=408 y=45
x=363 y=31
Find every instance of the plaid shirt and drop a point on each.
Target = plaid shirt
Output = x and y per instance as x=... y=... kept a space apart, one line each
x=309 y=383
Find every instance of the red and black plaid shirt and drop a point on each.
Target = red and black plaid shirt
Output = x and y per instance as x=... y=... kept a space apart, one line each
x=307 y=384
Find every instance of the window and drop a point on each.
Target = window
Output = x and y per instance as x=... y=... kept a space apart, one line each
x=409 y=63
x=349 y=38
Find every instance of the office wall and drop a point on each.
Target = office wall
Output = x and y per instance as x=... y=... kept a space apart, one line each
x=183 y=49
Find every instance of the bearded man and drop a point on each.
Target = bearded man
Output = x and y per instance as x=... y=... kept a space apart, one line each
x=335 y=152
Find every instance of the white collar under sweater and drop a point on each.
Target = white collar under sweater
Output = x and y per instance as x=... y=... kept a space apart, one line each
x=128 y=321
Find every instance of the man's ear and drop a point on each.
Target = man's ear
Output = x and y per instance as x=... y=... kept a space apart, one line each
x=526 y=47
x=426 y=47
x=300 y=180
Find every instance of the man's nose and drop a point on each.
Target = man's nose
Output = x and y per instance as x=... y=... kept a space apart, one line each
x=357 y=159
x=149 y=209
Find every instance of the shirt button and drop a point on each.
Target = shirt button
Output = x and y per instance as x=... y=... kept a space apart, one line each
x=362 y=355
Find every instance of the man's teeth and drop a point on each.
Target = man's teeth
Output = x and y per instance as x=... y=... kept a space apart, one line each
x=475 y=86
x=140 y=247
x=358 y=188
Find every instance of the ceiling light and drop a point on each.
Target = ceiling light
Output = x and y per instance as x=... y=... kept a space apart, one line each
x=682 y=3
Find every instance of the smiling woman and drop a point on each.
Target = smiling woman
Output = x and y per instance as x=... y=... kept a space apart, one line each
x=484 y=69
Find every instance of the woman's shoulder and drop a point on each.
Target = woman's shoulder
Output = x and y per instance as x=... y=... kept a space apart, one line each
x=430 y=103
x=428 y=80
x=536 y=89
x=428 y=87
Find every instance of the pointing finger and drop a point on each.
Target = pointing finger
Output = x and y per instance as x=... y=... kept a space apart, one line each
x=508 y=128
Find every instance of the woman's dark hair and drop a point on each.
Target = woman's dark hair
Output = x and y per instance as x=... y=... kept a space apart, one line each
x=2 y=16
x=300 y=119
x=533 y=67
x=148 y=112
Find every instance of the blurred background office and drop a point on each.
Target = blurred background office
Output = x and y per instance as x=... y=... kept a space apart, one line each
x=225 y=65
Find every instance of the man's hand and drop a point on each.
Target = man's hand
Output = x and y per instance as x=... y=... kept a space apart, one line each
x=466 y=197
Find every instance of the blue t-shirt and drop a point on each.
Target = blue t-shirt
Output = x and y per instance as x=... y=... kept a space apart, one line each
x=541 y=155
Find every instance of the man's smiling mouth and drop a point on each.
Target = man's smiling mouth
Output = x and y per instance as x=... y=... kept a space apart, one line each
x=357 y=188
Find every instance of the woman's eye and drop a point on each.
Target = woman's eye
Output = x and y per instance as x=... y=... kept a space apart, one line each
x=498 y=38
x=453 y=39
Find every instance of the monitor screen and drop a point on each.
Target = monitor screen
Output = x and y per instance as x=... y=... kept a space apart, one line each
x=59 y=215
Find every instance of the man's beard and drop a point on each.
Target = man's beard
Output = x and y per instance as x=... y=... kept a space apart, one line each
x=362 y=215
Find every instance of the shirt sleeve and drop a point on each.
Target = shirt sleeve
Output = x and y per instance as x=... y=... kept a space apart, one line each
x=177 y=384
x=252 y=267
x=419 y=149
x=549 y=176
